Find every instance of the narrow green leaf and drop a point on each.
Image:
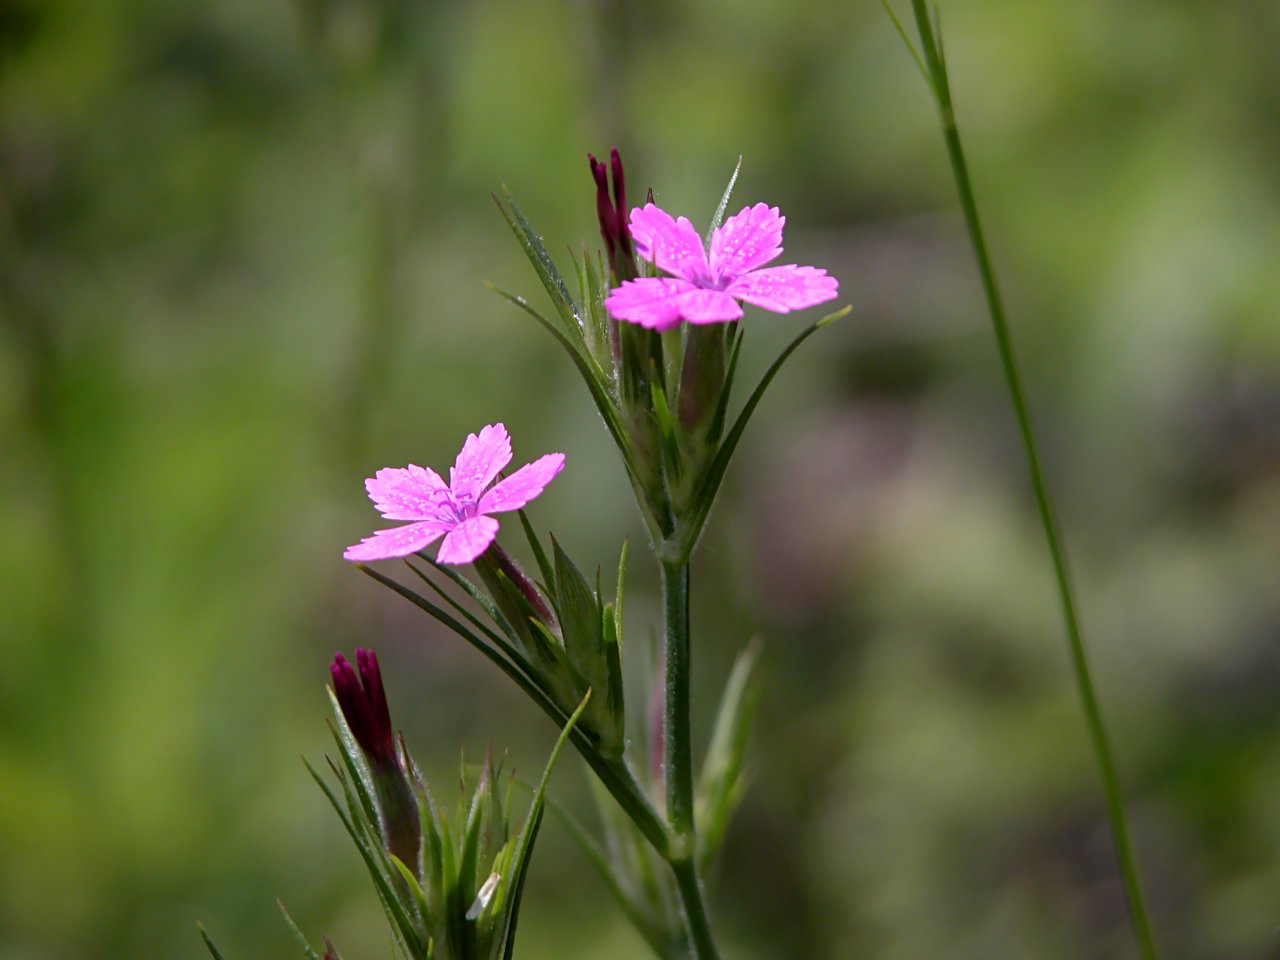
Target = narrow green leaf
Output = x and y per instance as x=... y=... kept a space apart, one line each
x=529 y=832
x=375 y=859
x=646 y=925
x=520 y=671
x=307 y=950
x=722 y=783
x=911 y=47
x=208 y=942
x=415 y=888
x=667 y=432
x=544 y=266
x=353 y=759
x=616 y=711
x=503 y=643
x=715 y=472
x=592 y=375
x=718 y=217
x=722 y=405
x=539 y=554
x=482 y=599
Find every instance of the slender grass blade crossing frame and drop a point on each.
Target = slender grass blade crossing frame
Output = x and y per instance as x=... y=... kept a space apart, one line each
x=933 y=67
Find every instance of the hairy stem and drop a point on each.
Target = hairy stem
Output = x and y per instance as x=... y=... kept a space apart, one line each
x=677 y=760
x=677 y=753
x=936 y=74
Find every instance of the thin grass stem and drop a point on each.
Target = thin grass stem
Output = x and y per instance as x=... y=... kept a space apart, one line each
x=935 y=69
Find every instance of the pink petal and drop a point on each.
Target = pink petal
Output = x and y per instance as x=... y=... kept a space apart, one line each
x=480 y=460
x=468 y=540
x=672 y=244
x=782 y=289
x=747 y=240
x=396 y=542
x=522 y=486
x=411 y=493
x=659 y=303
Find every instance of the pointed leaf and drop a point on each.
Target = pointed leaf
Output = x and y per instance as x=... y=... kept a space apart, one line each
x=710 y=484
x=354 y=760
x=528 y=833
x=580 y=612
x=539 y=554
x=519 y=671
x=721 y=784
x=544 y=266
x=307 y=950
x=208 y=942
x=592 y=375
x=911 y=49
x=718 y=217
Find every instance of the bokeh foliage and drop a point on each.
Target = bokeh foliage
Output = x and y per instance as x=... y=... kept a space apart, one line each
x=242 y=249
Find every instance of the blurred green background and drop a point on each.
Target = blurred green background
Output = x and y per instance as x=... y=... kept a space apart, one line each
x=242 y=248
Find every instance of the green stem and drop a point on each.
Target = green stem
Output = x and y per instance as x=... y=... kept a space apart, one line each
x=936 y=74
x=677 y=752
x=677 y=761
x=694 y=902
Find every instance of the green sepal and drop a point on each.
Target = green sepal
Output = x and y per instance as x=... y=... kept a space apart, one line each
x=723 y=782
x=716 y=429
x=616 y=710
x=592 y=652
x=580 y=613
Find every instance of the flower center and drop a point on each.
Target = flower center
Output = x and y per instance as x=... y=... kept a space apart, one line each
x=464 y=508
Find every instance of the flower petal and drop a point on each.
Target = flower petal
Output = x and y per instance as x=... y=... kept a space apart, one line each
x=708 y=306
x=748 y=239
x=468 y=540
x=408 y=493
x=659 y=303
x=672 y=244
x=522 y=486
x=783 y=289
x=648 y=302
x=481 y=458
x=396 y=542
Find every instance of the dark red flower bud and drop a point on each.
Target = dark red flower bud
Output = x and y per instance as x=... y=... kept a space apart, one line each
x=611 y=211
x=604 y=209
x=365 y=707
x=363 y=702
x=620 y=205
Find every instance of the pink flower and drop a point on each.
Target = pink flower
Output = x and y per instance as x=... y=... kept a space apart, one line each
x=458 y=511
x=706 y=289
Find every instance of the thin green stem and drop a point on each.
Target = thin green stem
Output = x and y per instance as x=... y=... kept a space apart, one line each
x=694 y=902
x=677 y=761
x=677 y=753
x=937 y=75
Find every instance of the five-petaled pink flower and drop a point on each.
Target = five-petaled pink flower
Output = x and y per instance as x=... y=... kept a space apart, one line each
x=706 y=289
x=459 y=510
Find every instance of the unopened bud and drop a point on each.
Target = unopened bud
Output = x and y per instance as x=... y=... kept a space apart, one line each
x=364 y=707
x=611 y=211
